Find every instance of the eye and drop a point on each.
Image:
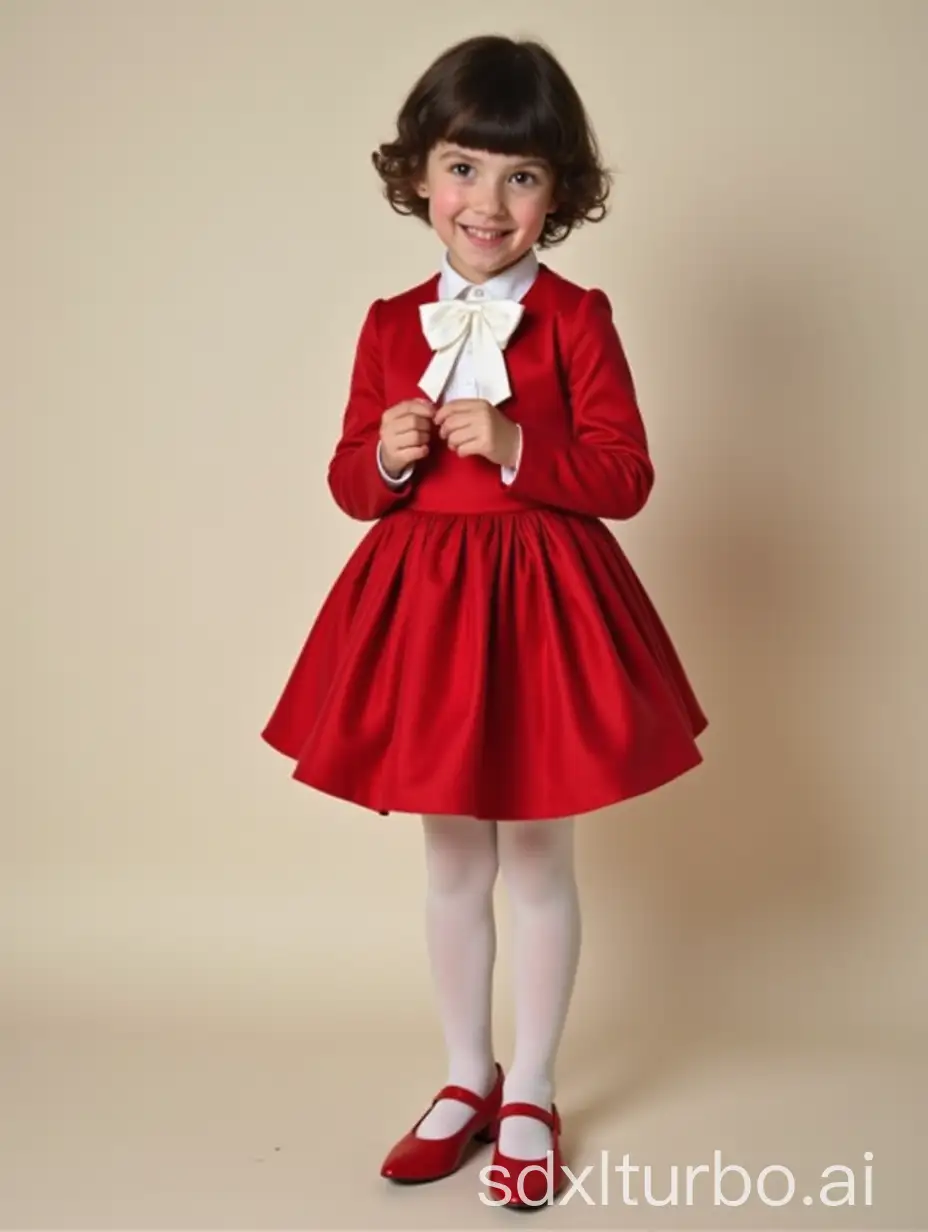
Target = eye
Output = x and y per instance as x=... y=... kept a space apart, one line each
x=460 y=168
x=525 y=177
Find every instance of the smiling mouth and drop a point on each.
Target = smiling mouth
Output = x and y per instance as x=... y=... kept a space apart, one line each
x=485 y=235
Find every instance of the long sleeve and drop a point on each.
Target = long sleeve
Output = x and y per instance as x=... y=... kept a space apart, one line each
x=354 y=476
x=602 y=468
x=387 y=478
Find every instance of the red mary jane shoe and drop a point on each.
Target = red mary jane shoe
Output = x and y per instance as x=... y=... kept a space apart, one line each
x=527 y=1182
x=414 y=1160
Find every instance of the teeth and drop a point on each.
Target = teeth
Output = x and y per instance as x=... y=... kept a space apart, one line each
x=485 y=235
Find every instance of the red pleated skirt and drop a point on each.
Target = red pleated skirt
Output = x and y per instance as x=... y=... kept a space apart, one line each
x=504 y=666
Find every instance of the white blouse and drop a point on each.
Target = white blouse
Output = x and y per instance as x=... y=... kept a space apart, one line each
x=513 y=284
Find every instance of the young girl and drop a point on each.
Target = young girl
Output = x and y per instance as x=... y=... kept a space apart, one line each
x=488 y=658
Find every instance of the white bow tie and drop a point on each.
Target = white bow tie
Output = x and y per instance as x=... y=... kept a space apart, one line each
x=447 y=325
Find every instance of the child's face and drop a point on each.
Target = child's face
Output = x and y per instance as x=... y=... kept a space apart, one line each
x=488 y=209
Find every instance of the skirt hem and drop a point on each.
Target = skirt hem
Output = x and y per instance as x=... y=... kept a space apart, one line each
x=571 y=804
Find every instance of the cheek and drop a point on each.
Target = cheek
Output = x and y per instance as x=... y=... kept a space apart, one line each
x=445 y=201
x=530 y=212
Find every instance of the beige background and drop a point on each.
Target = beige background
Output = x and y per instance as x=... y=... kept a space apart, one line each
x=216 y=1009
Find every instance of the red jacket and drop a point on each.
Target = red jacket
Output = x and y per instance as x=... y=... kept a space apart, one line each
x=584 y=445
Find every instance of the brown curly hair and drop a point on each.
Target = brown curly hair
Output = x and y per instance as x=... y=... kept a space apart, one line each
x=507 y=97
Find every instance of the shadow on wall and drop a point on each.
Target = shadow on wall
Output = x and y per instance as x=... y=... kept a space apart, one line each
x=716 y=890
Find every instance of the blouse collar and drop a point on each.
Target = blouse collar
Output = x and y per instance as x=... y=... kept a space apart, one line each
x=512 y=283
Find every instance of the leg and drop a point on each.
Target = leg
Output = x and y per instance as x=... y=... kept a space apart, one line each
x=461 y=870
x=537 y=864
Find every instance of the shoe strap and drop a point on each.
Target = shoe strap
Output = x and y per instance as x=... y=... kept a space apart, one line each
x=551 y=1119
x=466 y=1096
x=461 y=1093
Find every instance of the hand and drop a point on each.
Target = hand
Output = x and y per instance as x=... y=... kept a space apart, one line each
x=404 y=435
x=471 y=426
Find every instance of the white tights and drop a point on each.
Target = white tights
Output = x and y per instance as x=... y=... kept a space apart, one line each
x=536 y=859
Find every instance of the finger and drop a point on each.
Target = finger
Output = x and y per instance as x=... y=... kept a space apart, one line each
x=462 y=436
x=411 y=453
x=453 y=404
x=462 y=403
x=420 y=409
x=456 y=419
x=456 y=407
x=417 y=409
x=414 y=428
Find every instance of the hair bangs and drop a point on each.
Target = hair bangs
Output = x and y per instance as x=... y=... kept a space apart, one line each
x=502 y=125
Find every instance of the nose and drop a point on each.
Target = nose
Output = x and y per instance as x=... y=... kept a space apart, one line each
x=489 y=200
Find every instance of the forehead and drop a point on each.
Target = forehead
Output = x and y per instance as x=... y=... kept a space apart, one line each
x=446 y=151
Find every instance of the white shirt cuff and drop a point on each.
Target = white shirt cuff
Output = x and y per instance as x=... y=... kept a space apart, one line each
x=393 y=481
x=510 y=472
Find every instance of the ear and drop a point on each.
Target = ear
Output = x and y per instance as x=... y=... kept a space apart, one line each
x=419 y=181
